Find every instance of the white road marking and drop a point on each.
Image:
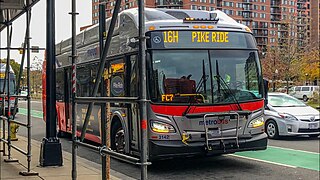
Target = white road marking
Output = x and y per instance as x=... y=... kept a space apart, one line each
x=295 y=150
x=254 y=159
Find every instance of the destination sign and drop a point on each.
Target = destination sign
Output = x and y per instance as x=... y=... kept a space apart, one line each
x=201 y=39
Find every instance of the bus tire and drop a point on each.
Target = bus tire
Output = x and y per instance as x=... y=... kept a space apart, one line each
x=117 y=137
x=61 y=134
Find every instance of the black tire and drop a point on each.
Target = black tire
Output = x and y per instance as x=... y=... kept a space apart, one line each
x=305 y=98
x=61 y=134
x=272 y=129
x=313 y=135
x=117 y=137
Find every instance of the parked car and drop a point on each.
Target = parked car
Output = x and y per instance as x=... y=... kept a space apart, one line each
x=23 y=93
x=288 y=116
x=304 y=92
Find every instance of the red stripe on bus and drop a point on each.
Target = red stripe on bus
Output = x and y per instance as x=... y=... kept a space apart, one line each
x=143 y=124
x=178 y=110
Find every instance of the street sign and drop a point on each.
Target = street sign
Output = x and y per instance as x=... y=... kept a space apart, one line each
x=35 y=49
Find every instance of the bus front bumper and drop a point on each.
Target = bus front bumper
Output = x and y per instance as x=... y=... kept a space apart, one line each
x=169 y=149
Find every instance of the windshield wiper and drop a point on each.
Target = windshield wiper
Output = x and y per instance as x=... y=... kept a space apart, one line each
x=219 y=78
x=202 y=82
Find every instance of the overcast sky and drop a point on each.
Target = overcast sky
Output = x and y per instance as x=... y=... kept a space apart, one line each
x=38 y=26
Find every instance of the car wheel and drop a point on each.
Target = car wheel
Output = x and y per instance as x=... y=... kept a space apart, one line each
x=272 y=130
x=117 y=139
x=305 y=98
x=313 y=135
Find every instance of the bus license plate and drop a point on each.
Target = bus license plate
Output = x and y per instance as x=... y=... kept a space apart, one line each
x=313 y=125
x=214 y=132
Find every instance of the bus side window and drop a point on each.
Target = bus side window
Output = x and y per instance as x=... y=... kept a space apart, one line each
x=117 y=79
x=133 y=76
x=84 y=81
x=60 y=86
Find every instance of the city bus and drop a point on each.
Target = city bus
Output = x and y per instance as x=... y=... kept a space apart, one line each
x=204 y=83
x=12 y=84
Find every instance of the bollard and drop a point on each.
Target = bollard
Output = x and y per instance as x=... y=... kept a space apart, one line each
x=14 y=129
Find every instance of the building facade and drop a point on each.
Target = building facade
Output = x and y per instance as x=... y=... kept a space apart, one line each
x=272 y=22
x=315 y=22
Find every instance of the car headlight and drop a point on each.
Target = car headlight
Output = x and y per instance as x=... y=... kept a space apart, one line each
x=161 y=127
x=287 y=117
x=258 y=122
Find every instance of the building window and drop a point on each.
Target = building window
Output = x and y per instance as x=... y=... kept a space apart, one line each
x=239 y=5
x=212 y=1
x=203 y=8
x=212 y=8
x=263 y=8
x=203 y=1
x=194 y=7
x=263 y=15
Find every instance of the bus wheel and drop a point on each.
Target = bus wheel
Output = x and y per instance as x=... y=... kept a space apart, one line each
x=61 y=134
x=117 y=139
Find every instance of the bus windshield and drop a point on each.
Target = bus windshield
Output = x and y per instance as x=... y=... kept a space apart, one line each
x=205 y=76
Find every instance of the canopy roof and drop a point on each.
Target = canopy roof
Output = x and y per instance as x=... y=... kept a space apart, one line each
x=10 y=10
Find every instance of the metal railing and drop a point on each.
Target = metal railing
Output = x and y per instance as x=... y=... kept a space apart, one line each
x=104 y=149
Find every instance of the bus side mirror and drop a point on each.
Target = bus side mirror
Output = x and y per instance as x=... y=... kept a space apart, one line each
x=265 y=90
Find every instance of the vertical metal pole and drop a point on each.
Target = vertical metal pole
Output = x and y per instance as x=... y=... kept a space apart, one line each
x=51 y=116
x=143 y=92
x=8 y=85
x=3 y=150
x=74 y=69
x=51 y=145
x=28 y=84
x=102 y=30
x=21 y=69
x=101 y=65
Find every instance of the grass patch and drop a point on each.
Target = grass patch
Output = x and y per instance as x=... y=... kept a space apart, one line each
x=314 y=105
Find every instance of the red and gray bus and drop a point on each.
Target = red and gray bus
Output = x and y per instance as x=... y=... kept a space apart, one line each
x=4 y=87
x=204 y=82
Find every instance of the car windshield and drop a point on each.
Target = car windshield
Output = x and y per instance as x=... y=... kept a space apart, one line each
x=205 y=76
x=284 y=101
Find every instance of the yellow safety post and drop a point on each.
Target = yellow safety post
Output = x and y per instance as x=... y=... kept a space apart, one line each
x=14 y=129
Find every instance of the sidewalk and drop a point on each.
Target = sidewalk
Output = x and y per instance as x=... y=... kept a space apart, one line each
x=85 y=169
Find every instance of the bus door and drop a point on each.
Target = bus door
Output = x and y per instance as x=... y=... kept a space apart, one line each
x=133 y=109
x=68 y=95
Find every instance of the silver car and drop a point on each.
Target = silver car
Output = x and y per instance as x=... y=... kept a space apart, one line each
x=287 y=116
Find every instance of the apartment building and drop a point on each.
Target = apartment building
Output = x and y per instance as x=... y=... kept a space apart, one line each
x=315 y=22
x=272 y=22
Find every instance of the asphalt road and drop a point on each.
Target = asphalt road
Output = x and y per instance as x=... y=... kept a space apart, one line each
x=236 y=166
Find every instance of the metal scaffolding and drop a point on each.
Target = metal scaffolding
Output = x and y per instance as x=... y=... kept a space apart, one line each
x=104 y=149
x=10 y=10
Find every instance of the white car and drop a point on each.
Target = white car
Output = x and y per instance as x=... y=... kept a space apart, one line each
x=23 y=93
x=288 y=116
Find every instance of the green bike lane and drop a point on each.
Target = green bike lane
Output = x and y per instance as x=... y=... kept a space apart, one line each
x=274 y=155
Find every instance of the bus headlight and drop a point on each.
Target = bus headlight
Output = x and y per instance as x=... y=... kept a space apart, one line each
x=256 y=123
x=161 y=127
